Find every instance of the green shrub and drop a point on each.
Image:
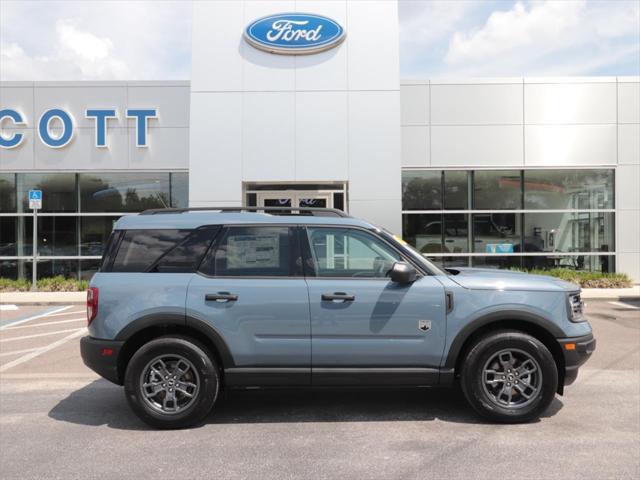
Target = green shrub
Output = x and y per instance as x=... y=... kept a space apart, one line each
x=586 y=279
x=52 y=284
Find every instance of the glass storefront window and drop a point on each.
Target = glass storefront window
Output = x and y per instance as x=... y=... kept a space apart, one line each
x=422 y=190
x=569 y=232
x=58 y=191
x=456 y=190
x=123 y=192
x=456 y=233
x=423 y=231
x=57 y=236
x=497 y=190
x=496 y=232
x=8 y=236
x=505 y=262
x=179 y=190
x=568 y=189
x=94 y=232
x=7 y=192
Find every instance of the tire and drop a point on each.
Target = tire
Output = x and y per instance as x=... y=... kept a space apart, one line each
x=188 y=370
x=509 y=377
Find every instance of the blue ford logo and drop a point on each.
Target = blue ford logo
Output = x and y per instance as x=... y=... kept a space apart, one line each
x=294 y=33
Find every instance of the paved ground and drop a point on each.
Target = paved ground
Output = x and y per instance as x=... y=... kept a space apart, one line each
x=58 y=420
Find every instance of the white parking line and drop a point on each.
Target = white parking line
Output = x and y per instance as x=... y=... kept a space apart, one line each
x=6 y=308
x=67 y=313
x=15 y=339
x=37 y=353
x=40 y=315
x=624 y=305
x=45 y=324
x=16 y=352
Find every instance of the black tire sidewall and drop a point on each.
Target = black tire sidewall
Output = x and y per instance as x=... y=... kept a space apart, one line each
x=207 y=371
x=472 y=376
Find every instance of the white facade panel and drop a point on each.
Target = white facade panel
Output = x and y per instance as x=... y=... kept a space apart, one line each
x=21 y=157
x=415 y=145
x=216 y=31
x=629 y=144
x=627 y=191
x=172 y=104
x=414 y=104
x=168 y=149
x=374 y=146
x=379 y=212
x=476 y=146
x=567 y=145
x=629 y=241
x=629 y=263
x=216 y=149
x=570 y=103
x=629 y=102
x=75 y=100
x=373 y=45
x=482 y=104
x=21 y=99
x=268 y=137
x=321 y=134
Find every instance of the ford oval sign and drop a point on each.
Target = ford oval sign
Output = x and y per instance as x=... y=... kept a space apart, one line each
x=294 y=33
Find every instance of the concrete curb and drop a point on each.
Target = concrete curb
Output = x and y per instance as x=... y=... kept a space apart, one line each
x=52 y=298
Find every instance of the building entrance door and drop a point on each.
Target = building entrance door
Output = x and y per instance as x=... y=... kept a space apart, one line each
x=294 y=199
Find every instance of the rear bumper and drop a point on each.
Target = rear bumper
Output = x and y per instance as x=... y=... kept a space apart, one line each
x=101 y=356
x=576 y=355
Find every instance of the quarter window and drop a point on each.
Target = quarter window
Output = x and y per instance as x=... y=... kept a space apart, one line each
x=344 y=252
x=140 y=249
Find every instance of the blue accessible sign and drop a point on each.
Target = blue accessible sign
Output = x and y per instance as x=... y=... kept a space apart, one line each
x=35 y=199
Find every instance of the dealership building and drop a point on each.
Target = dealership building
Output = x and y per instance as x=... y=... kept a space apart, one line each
x=500 y=172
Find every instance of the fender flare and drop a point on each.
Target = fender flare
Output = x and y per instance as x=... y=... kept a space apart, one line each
x=494 y=317
x=181 y=321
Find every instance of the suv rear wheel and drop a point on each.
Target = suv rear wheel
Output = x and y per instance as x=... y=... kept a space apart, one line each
x=509 y=377
x=171 y=382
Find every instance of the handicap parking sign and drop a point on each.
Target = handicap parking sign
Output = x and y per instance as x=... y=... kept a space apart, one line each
x=35 y=199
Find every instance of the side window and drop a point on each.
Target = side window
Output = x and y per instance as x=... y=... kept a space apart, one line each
x=139 y=249
x=186 y=257
x=253 y=252
x=346 y=252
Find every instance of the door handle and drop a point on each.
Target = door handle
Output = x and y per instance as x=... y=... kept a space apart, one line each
x=338 y=296
x=220 y=297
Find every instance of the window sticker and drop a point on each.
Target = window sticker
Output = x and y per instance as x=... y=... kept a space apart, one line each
x=251 y=251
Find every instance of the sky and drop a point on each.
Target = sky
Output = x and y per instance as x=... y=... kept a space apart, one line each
x=135 y=40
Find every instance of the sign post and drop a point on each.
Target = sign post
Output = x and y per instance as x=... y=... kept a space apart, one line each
x=35 y=203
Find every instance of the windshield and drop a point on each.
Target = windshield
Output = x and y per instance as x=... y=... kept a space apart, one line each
x=412 y=252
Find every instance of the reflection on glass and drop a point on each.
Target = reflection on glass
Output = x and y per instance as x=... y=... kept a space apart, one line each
x=569 y=232
x=179 y=190
x=456 y=190
x=504 y=262
x=58 y=191
x=123 y=192
x=424 y=232
x=568 y=189
x=94 y=232
x=7 y=192
x=422 y=190
x=496 y=232
x=88 y=268
x=57 y=236
x=456 y=233
x=8 y=236
x=497 y=189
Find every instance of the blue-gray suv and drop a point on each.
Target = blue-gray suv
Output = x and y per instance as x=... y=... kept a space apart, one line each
x=188 y=302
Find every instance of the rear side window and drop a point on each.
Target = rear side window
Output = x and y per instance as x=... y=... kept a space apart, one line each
x=252 y=252
x=186 y=257
x=139 y=249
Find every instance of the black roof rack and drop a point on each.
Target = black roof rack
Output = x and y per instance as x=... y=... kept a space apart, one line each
x=312 y=211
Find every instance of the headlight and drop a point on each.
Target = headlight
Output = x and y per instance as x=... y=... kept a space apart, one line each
x=575 y=307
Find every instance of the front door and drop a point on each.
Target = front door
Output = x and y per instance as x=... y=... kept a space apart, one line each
x=251 y=292
x=366 y=328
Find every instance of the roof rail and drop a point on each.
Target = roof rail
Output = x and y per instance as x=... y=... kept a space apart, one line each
x=312 y=211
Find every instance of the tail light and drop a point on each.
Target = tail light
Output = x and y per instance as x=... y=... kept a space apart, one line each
x=92 y=304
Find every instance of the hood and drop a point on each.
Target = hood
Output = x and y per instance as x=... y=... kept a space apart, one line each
x=491 y=279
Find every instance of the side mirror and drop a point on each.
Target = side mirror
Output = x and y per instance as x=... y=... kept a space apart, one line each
x=402 y=272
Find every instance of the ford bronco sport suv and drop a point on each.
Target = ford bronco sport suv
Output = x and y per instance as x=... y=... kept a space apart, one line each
x=190 y=301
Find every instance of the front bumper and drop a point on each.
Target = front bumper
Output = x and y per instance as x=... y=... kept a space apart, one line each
x=101 y=356
x=576 y=351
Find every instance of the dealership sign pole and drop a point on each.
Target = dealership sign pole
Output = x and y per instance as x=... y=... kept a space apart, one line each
x=35 y=203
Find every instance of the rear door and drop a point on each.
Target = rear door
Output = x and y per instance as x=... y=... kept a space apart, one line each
x=251 y=291
x=366 y=328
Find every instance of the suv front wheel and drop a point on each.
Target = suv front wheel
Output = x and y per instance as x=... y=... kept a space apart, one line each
x=171 y=382
x=509 y=377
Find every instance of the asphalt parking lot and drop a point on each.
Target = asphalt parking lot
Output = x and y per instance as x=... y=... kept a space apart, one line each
x=59 y=420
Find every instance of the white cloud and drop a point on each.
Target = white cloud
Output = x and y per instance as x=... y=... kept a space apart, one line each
x=89 y=40
x=571 y=37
